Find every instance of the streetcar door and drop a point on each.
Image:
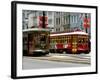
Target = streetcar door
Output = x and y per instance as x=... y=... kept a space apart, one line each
x=41 y=40
x=74 y=44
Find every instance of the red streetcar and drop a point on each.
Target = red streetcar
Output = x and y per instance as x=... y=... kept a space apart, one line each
x=70 y=42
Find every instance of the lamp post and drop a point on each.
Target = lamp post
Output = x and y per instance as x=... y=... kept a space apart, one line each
x=86 y=22
x=43 y=25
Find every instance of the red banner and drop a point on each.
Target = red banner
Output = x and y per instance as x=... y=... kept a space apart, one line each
x=86 y=23
x=41 y=21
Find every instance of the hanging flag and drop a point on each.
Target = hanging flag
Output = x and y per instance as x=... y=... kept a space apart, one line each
x=41 y=21
x=86 y=23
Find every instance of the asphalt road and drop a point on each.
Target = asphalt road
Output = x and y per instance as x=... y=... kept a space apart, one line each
x=31 y=63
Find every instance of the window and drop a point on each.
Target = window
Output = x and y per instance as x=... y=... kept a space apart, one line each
x=58 y=29
x=50 y=13
x=40 y=13
x=71 y=19
x=50 y=21
x=75 y=19
x=56 y=21
x=35 y=21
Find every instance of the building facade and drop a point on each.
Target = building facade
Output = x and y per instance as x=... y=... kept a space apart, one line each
x=31 y=19
x=61 y=21
x=56 y=21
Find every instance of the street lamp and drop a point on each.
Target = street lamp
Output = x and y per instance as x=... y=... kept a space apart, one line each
x=86 y=22
x=43 y=25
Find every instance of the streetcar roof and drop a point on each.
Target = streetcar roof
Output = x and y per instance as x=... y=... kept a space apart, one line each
x=70 y=33
x=35 y=29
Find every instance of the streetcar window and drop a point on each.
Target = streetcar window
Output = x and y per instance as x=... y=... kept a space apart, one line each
x=79 y=41
x=43 y=38
x=69 y=38
x=52 y=40
x=86 y=40
x=82 y=41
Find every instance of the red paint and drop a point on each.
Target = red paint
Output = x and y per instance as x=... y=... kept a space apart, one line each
x=59 y=46
x=82 y=47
